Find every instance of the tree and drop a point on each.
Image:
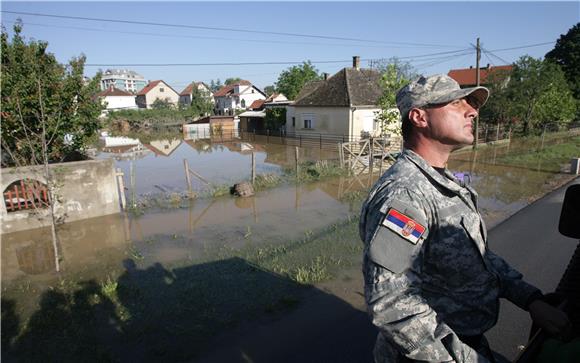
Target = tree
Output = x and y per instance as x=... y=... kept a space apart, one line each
x=499 y=107
x=48 y=112
x=215 y=85
x=291 y=80
x=232 y=81
x=42 y=97
x=566 y=54
x=269 y=90
x=404 y=69
x=201 y=103
x=162 y=104
x=275 y=118
x=533 y=90
x=388 y=117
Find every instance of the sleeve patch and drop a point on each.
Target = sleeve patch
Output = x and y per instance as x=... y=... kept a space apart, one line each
x=403 y=225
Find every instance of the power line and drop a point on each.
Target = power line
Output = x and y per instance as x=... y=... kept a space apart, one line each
x=218 y=29
x=207 y=37
x=211 y=64
x=521 y=47
x=496 y=56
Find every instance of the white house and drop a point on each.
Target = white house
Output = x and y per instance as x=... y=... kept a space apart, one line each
x=345 y=104
x=156 y=90
x=123 y=79
x=185 y=96
x=237 y=96
x=115 y=99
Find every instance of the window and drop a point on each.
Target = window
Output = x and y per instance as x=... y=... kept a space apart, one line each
x=308 y=119
x=293 y=121
x=243 y=103
x=252 y=91
x=161 y=89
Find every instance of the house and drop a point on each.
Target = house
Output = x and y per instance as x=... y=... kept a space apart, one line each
x=221 y=127
x=253 y=119
x=156 y=90
x=123 y=79
x=186 y=95
x=115 y=99
x=344 y=104
x=163 y=147
x=466 y=77
x=237 y=96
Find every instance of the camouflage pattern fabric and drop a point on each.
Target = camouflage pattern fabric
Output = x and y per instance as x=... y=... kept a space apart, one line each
x=435 y=90
x=425 y=293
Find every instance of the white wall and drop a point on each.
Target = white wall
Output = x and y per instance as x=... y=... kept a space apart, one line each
x=120 y=102
x=156 y=93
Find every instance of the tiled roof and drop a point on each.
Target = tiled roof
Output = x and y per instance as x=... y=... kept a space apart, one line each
x=187 y=91
x=225 y=90
x=348 y=87
x=113 y=91
x=148 y=88
x=257 y=104
x=466 y=76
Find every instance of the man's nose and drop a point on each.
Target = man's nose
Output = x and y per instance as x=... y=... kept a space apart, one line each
x=470 y=110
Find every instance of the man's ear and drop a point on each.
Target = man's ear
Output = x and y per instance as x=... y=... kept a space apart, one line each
x=418 y=118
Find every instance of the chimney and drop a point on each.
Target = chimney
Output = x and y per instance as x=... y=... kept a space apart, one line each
x=325 y=76
x=356 y=62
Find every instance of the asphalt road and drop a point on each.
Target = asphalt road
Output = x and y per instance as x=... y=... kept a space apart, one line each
x=530 y=242
x=332 y=325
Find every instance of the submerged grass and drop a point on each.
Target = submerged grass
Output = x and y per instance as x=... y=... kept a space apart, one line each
x=549 y=158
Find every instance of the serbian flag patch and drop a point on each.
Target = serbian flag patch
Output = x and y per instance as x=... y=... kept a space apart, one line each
x=404 y=226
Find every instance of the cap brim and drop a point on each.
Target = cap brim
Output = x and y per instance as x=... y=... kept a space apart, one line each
x=477 y=96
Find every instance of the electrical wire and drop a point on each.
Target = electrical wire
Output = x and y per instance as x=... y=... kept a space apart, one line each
x=134 y=22
x=210 y=37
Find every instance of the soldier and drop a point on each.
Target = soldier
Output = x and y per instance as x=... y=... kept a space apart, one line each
x=432 y=286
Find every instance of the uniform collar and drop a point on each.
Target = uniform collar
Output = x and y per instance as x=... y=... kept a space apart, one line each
x=449 y=181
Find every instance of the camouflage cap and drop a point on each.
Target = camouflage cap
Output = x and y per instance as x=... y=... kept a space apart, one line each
x=437 y=89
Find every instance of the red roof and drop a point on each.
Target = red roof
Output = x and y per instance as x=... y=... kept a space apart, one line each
x=148 y=88
x=225 y=90
x=113 y=91
x=466 y=76
x=187 y=91
x=257 y=104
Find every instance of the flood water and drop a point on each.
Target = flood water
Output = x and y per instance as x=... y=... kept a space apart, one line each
x=97 y=248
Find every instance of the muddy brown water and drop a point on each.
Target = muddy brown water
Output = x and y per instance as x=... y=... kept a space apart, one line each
x=95 y=249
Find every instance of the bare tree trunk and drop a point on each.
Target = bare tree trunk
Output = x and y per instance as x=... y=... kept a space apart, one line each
x=49 y=182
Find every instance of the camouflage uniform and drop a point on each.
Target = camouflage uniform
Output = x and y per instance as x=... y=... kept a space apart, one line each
x=427 y=295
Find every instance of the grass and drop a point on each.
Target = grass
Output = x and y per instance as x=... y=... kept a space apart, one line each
x=549 y=158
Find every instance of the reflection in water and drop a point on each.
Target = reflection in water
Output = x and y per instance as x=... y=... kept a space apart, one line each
x=95 y=249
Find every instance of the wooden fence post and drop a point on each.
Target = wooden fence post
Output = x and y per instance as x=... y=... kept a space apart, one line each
x=296 y=157
x=253 y=167
x=187 y=178
x=121 y=184
x=497 y=133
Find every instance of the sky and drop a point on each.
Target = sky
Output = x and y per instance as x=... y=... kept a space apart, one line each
x=212 y=40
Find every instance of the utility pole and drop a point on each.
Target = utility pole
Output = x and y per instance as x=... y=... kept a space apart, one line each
x=478 y=55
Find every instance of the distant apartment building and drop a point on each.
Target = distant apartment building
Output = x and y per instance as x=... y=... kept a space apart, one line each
x=123 y=79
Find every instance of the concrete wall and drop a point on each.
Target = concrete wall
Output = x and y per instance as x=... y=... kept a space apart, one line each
x=84 y=189
x=120 y=102
x=364 y=120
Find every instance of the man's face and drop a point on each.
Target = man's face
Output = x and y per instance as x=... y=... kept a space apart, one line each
x=451 y=123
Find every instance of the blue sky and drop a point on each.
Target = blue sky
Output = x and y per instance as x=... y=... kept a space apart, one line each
x=410 y=30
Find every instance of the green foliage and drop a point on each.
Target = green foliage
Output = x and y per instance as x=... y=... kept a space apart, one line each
x=566 y=54
x=215 y=85
x=533 y=91
x=500 y=106
x=201 y=103
x=44 y=103
x=269 y=90
x=162 y=104
x=232 y=80
x=388 y=117
x=291 y=80
x=275 y=118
